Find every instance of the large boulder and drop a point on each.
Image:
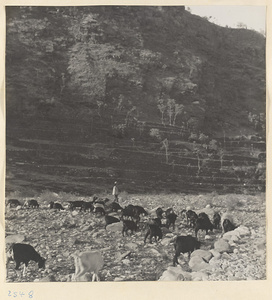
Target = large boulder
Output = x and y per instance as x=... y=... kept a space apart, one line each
x=242 y=230
x=166 y=241
x=199 y=276
x=115 y=227
x=207 y=255
x=227 y=215
x=221 y=246
x=49 y=278
x=232 y=236
x=155 y=252
x=215 y=254
x=175 y=274
x=197 y=263
x=132 y=246
x=16 y=238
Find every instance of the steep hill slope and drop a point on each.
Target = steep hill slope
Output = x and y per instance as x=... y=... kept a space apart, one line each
x=136 y=93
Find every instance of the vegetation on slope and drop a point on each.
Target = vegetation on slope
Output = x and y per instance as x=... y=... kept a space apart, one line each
x=153 y=85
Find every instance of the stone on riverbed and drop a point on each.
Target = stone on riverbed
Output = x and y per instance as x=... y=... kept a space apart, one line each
x=175 y=274
x=16 y=238
x=207 y=255
x=221 y=246
x=197 y=263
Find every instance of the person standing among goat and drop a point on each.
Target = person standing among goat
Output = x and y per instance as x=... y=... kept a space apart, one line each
x=115 y=191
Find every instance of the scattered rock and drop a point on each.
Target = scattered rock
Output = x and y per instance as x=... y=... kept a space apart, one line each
x=115 y=227
x=199 y=276
x=155 y=252
x=126 y=261
x=166 y=241
x=132 y=246
x=16 y=238
x=221 y=246
x=215 y=253
x=175 y=274
x=242 y=230
x=230 y=235
x=207 y=255
x=225 y=255
x=261 y=245
x=86 y=228
x=197 y=263
x=235 y=251
x=120 y=256
x=118 y=279
x=170 y=235
x=49 y=278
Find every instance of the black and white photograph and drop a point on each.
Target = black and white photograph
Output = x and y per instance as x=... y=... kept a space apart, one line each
x=135 y=143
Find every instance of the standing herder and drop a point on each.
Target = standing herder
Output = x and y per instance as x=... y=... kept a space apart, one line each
x=115 y=191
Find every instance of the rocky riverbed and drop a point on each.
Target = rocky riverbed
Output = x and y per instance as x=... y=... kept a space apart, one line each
x=239 y=255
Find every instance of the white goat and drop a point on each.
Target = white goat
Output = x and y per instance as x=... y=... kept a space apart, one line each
x=86 y=263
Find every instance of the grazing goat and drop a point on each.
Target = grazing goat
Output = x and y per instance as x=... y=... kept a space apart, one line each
x=153 y=231
x=114 y=206
x=56 y=205
x=191 y=217
x=99 y=210
x=226 y=215
x=139 y=210
x=87 y=262
x=170 y=220
x=87 y=206
x=203 y=222
x=169 y=211
x=110 y=220
x=13 y=203
x=129 y=225
x=31 y=203
x=75 y=204
x=159 y=212
x=184 y=244
x=216 y=220
x=23 y=253
x=228 y=226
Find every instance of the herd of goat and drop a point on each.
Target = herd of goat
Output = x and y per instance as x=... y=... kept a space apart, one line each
x=130 y=215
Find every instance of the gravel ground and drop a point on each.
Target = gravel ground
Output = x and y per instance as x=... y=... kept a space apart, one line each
x=56 y=235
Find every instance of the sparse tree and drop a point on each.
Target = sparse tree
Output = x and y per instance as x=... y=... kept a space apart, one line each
x=203 y=138
x=178 y=109
x=154 y=132
x=221 y=154
x=120 y=103
x=213 y=145
x=165 y=146
x=162 y=105
x=171 y=109
x=100 y=105
x=129 y=114
x=141 y=126
x=241 y=25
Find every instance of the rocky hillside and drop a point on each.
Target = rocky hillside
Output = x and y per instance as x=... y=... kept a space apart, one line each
x=153 y=96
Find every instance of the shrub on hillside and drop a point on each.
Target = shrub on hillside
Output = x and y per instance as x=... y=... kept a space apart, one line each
x=47 y=196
